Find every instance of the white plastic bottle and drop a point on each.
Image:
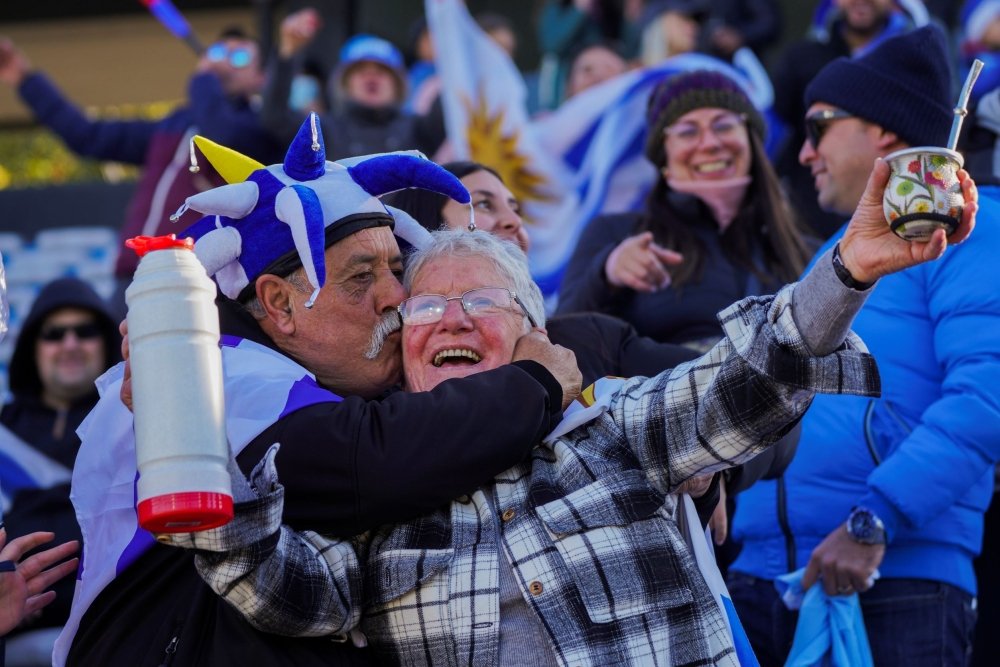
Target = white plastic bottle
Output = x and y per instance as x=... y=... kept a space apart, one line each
x=180 y=436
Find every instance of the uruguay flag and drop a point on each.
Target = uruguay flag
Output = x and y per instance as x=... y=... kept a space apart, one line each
x=22 y=467
x=583 y=159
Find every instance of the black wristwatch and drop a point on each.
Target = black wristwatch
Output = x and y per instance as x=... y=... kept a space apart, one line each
x=845 y=275
x=865 y=527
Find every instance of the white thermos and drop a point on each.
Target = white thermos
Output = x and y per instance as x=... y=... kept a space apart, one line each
x=177 y=397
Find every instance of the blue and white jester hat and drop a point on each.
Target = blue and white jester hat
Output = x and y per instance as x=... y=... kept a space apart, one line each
x=287 y=214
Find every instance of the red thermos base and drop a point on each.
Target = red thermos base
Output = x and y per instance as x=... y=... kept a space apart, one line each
x=185 y=512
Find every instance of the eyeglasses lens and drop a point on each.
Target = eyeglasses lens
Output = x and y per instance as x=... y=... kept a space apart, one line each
x=86 y=331
x=429 y=308
x=238 y=57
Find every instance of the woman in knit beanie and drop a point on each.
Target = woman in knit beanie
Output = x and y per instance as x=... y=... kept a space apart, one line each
x=715 y=228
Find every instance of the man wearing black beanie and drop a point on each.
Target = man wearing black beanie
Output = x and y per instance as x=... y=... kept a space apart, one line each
x=898 y=485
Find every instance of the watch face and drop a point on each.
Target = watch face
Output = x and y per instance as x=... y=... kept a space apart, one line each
x=864 y=527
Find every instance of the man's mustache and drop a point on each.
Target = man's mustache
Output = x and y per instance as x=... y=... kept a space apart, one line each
x=389 y=323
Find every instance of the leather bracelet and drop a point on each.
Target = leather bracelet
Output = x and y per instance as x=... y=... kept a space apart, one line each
x=844 y=274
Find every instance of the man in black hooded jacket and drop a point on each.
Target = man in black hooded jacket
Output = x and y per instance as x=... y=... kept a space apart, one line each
x=68 y=340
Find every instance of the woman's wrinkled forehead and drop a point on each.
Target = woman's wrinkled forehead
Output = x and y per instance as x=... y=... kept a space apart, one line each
x=455 y=272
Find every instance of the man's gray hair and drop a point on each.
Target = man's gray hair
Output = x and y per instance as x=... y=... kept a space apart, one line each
x=508 y=259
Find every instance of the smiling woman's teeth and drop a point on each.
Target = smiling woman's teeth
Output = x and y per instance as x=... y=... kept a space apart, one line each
x=711 y=166
x=444 y=355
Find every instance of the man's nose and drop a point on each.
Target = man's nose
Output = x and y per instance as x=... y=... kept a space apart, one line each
x=807 y=153
x=70 y=339
x=390 y=292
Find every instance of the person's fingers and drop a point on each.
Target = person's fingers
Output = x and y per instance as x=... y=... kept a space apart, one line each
x=642 y=240
x=828 y=573
x=36 y=603
x=970 y=194
x=720 y=517
x=935 y=245
x=653 y=272
x=22 y=545
x=638 y=284
x=811 y=574
x=43 y=580
x=877 y=181
x=857 y=582
x=38 y=562
x=667 y=256
x=720 y=524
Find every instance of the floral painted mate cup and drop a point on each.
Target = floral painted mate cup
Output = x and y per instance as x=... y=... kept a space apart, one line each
x=923 y=192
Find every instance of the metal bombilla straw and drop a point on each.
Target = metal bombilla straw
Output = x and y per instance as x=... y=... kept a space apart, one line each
x=961 y=110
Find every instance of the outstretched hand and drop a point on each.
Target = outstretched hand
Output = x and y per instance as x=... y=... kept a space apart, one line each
x=297 y=30
x=870 y=249
x=23 y=582
x=14 y=65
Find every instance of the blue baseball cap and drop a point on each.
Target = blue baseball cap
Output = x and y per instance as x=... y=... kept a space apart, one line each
x=369 y=48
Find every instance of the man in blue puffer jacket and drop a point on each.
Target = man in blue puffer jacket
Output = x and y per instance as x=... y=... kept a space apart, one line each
x=897 y=484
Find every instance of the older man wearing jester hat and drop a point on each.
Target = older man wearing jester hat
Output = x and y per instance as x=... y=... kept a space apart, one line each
x=308 y=250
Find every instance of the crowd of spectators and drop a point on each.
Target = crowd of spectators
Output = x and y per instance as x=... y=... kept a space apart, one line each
x=726 y=219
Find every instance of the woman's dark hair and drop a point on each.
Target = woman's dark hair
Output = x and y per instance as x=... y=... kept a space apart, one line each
x=426 y=206
x=765 y=221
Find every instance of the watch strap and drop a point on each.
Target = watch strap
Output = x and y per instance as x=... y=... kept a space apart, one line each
x=843 y=274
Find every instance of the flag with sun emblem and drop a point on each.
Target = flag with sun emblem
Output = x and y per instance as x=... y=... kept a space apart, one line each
x=582 y=160
x=484 y=98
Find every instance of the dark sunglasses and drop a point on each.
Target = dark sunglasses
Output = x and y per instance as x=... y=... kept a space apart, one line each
x=81 y=331
x=818 y=122
x=238 y=57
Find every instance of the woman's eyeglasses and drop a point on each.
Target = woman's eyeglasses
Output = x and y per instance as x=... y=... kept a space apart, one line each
x=482 y=301
x=723 y=127
x=238 y=57
x=818 y=122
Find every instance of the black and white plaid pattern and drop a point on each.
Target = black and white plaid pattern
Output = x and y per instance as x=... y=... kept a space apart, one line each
x=285 y=582
x=587 y=525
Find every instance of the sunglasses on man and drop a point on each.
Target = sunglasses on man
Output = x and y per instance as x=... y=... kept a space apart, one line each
x=238 y=57
x=818 y=122
x=55 y=334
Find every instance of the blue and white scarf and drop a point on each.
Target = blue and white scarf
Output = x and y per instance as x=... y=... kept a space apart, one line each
x=261 y=386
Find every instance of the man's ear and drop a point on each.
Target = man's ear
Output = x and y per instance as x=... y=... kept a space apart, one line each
x=887 y=141
x=275 y=296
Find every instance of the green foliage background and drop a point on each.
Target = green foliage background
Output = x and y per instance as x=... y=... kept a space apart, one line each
x=33 y=156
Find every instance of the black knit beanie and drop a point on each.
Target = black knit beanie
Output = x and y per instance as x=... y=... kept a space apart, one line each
x=903 y=85
x=687 y=91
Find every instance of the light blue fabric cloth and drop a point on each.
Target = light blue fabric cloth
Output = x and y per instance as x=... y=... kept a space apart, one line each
x=830 y=631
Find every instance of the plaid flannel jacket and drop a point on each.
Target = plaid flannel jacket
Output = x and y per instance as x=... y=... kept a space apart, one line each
x=586 y=525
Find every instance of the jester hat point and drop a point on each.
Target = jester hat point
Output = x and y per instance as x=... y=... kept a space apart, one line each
x=274 y=218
